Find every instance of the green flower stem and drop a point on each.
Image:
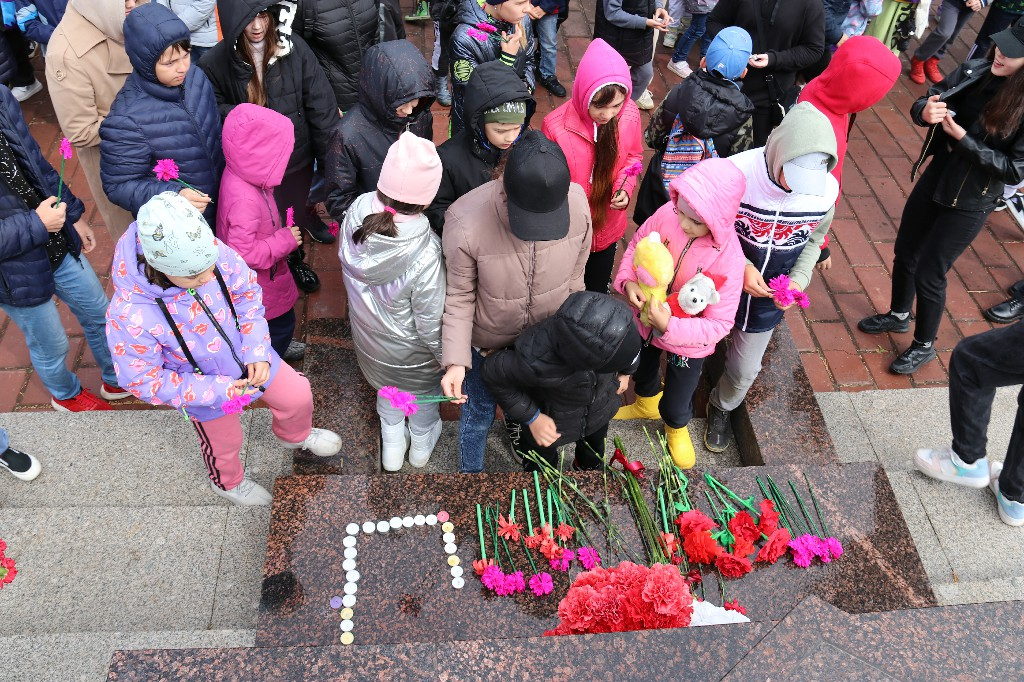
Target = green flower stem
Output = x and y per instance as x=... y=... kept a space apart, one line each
x=784 y=503
x=529 y=554
x=803 y=509
x=526 y=505
x=747 y=502
x=661 y=505
x=512 y=509
x=549 y=517
x=817 y=509
x=504 y=545
x=60 y=180
x=480 y=532
x=540 y=498
x=494 y=535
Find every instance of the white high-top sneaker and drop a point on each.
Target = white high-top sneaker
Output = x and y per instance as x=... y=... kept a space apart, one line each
x=248 y=493
x=423 y=445
x=394 y=443
x=320 y=442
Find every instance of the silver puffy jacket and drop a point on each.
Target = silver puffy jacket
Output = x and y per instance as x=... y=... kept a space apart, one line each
x=396 y=289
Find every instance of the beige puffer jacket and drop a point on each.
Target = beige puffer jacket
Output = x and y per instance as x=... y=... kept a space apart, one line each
x=498 y=285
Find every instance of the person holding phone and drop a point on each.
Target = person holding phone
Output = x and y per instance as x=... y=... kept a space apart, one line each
x=977 y=147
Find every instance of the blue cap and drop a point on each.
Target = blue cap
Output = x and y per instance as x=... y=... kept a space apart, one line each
x=728 y=53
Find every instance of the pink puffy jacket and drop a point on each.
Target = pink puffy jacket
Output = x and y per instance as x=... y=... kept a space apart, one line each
x=713 y=188
x=571 y=127
x=257 y=145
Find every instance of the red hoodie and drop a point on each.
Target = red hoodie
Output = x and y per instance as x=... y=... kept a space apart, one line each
x=860 y=74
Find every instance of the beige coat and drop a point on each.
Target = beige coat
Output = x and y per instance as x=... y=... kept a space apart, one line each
x=86 y=66
x=498 y=285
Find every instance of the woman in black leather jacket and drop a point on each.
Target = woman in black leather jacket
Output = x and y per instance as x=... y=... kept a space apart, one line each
x=977 y=146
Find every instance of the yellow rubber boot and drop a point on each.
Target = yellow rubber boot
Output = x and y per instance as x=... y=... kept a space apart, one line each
x=680 y=447
x=643 y=408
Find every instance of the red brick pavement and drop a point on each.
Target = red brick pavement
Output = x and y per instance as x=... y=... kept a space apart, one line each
x=883 y=145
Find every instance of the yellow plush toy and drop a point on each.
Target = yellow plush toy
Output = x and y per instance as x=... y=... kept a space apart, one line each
x=652 y=263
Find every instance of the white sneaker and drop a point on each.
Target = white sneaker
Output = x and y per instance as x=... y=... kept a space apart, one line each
x=394 y=443
x=1011 y=512
x=248 y=493
x=22 y=466
x=681 y=69
x=646 y=101
x=320 y=442
x=942 y=464
x=423 y=444
x=23 y=92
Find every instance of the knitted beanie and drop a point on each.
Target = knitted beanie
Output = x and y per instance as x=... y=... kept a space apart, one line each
x=507 y=112
x=174 y=236
x=412 y=171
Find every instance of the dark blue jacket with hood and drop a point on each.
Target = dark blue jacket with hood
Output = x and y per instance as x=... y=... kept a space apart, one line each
x=149 y=121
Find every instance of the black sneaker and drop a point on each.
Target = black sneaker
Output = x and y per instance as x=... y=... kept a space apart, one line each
x=552 y=85
x=1007 y=311
x=319 y=232
x=882 y=323
x=913 y=358
x=717 y=429
x=22 y=466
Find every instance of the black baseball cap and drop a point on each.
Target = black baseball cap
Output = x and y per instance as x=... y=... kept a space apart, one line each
x=536 y=183
x=1010 y=41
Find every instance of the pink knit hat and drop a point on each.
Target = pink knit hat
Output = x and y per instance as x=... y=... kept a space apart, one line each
x=412 y=171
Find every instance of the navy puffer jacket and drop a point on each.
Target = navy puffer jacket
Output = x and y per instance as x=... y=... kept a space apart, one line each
x=26 y=278
x=149 y=121
x=8 y=66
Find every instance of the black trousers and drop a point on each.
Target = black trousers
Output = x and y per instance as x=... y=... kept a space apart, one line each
x=282 y=327
x=930 y=239
x=979 y=365
x=23 y=74
x=294 y=192
x=598 y=273
x=765 y=120
x=585 y=449
x=681 y=377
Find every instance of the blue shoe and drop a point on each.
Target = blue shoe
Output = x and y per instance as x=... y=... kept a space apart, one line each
x=1012 y=513
x=942 y=464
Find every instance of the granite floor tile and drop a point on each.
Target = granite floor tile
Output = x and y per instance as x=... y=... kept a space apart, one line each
x=929 y=548
x=849 y=436
x=240 y=568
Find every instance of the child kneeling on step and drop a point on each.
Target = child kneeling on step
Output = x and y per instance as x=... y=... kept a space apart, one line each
x=561 y=378
x=697 y=227
x=394 y=275
x=186 y=328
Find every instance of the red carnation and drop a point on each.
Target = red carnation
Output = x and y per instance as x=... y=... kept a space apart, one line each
x=701 y=548
x=742 y=546
x=775 y=547
x=735 y=605
x=769 y=520
x=742 y=526
x=693 y=521
x=732 y=566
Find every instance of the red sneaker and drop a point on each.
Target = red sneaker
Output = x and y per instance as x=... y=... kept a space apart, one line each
x=931 y=69
x=85 y=401
x=108 y=392
x=917 y=70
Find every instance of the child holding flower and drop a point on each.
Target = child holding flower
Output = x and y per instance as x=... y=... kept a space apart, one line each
x=599 y=131
x=186 y=328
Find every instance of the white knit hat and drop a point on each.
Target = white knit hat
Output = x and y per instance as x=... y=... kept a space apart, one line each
x=175 y=237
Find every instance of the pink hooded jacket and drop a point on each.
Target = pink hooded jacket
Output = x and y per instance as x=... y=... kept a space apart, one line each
x=571 y=127
x=713 y=188
x=257 y=145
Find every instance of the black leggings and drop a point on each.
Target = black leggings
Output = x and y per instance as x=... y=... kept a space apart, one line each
x=282 y=327
x=585 y=449
x=598 y=273
x=681 y=377
x=930 y=239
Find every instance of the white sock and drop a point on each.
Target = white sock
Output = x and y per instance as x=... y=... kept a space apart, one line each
x=899 y=316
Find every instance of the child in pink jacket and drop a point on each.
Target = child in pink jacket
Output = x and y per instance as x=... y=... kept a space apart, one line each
x=697 y=227
x=257 y=145
x=599 y=130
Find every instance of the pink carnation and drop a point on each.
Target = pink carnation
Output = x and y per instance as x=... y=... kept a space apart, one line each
x=289 y=216
x=562 y=561
x=514 y=582
x=486 y=28
x=399 y=400
x=634 y=169
x=542 y=584
x=492 y=577
x=588 y=557
x=835 y=547
x=477 y=34
x=334 y=228
x=802 y=549
x=166 y=169
x=235 y=405
x=65 y=148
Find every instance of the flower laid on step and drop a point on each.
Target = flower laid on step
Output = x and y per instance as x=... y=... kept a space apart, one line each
x=167 y=170
x=541 y=584
x=784 y=294
x=734 y=605
x=8 y=570
x=408 y=403
x=66 y=153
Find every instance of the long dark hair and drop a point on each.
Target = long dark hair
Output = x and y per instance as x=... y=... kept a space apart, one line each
x=605 y=154
x=1002 y=114
x=384 y=222
x=154 y=276
x=255 y=92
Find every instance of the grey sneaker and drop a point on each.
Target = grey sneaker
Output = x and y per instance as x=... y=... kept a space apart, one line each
x=296 y=351
x=320 y=442
x=646 y=101
x=1012 y=513
x=248 y=493
x=23 y=92
x=942 y=464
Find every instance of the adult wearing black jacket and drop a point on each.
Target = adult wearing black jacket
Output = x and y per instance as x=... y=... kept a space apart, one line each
x=793 y=38
x=280 y=72
x=468 y=158
x=563 y=375
x=974 y=154
x=340 y=32
x=393 y=75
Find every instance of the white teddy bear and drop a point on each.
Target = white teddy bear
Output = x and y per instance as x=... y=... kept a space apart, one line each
x=697 y=294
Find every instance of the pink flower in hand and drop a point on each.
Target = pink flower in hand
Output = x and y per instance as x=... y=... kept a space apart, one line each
x=236 y=405
x=634 y=169
x=289 y=216
x=166 y=169
x=486 y=28
x=334 y=228
x=65 y=148
x=542 y=584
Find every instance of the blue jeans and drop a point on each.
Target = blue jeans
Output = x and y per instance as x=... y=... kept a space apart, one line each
x=47 y=341
x=4 y=442
x=475 y=419
x=547 y=36
x=697 y=31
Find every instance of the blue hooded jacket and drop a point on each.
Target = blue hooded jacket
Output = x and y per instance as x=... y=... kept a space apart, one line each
x=149 y=121
x=26 y=278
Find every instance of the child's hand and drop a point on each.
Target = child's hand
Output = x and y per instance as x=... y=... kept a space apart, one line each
x=197 y=199
x=620 y=200
x=754 y=284
x=792 y=285
x=824 y=265
x=758 y=61
x=661 y=19
x=536 y=12
x=511 y=44
x=259 y=373
x=634 y=296
x=623 y=384
x=544 y=430
x=297 y=233
x=451 y=383
x=659 y=315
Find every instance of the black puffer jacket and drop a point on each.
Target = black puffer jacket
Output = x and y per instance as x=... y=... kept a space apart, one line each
x=468 y=159
x=340 y=32
x=794 y=40
x=394 y=73
x=975 y=169
x=8 y=65
x=294 y=81
x=551 y=367
x=709 y=106
x=467 y=53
